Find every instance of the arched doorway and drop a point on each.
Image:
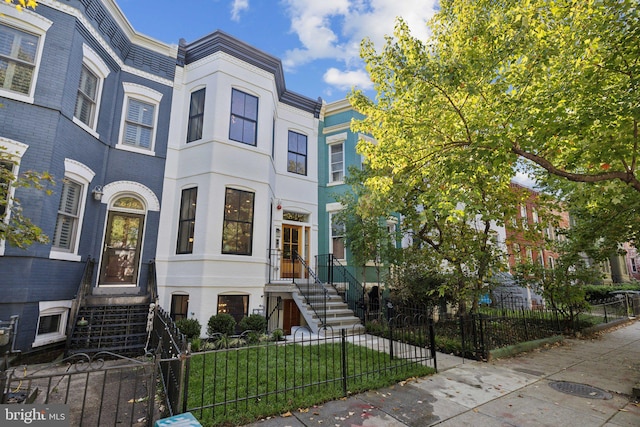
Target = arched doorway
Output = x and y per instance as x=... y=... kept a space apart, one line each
x=120 y=261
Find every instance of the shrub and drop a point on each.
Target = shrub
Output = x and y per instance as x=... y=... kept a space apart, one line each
x=189 y=327
x=277 y=335
x=254 y=322
x=196 y=345
x=221 y=323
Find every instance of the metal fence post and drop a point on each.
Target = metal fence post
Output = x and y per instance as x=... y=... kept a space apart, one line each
x=343 y=347
x=604 y=306
x=432 y=344
x=462 y=336
x=390 y=320
x=483 y=351
x=183 y=382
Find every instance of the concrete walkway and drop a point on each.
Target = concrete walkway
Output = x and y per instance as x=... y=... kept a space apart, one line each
x=508 y=392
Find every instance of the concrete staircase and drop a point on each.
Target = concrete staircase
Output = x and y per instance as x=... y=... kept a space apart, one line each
x=115 y=324
x=338 y=314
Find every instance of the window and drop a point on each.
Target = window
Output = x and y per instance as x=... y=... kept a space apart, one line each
x=87 y=95
x=68 y=215
x=516 y=253
x=196 y=116
x=523 y=212
x=22 y=36
x=52 y=322
x=336 y=162
x=139 y=119
x=243 y=125
x=235 y=305
x=551 y=263
x=634 y=267
x=297 y=157
x=6 y=175
x=92 y=74
x=179 y=307
x=18 y=52
x=529 y=255
x=187 y=221
x=10 y=165
x=65 y=239
x=337 y=237
x=534 y=215
x=237 y=231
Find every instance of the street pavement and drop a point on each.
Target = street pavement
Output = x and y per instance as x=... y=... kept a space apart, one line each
x=593 y=377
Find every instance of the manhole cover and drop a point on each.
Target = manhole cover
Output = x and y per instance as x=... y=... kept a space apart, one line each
x=581 y=390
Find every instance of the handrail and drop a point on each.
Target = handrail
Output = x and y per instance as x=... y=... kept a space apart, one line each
x=336 y=272
x=78 y=301
x=313 y=291
x=152 y=282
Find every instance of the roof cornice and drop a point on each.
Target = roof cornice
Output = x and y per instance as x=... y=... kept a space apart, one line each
x=219 y=41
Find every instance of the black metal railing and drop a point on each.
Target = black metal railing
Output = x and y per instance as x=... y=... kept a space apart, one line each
x=152 y=282
x=311 y=289
x=226 y=384
x=171 y=348
x=83 y=290
x=476 y=335
x=98 y=390
x=333 y=272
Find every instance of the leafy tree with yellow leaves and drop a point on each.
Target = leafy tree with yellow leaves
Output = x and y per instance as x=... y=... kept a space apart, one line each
x=22 y=4
x=15 y=228
x=548 y=84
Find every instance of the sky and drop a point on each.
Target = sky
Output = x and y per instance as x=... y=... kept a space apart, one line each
x=318 y=41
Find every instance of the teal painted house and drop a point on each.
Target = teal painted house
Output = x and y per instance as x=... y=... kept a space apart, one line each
x=336 y=155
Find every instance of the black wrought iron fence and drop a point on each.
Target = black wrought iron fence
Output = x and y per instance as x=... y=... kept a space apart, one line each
x=99 y=390
x=476 y=335
x=171 y=346
x=224 y=384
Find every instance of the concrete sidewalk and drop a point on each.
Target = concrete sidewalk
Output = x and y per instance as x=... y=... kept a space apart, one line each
x=578 y=382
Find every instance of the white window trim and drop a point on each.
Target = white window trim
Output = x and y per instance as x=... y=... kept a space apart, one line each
x=331 y=215
x=52 y=308
x=83 y=175
x=16 y=150
x=98 y=67
x=31 y=22
x=144 y=94
x=118 y=189
x=340 y=138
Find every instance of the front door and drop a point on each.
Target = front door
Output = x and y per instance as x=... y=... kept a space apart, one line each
x=291 y=245
x=291 y=316
x=121 y=255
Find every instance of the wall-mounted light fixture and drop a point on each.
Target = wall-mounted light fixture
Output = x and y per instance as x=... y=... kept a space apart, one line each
x=97 y=192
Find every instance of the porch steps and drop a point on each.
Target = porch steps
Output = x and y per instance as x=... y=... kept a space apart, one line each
x=119 y=328
x=338 y=315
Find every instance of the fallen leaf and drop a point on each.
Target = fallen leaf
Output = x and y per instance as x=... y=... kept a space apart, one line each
x=287 y=414
x=303 y=410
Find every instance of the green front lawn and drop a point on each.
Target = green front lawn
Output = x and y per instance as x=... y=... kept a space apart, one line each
x=237 y=386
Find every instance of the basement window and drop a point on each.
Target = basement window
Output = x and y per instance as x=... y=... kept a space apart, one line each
x=52 y=322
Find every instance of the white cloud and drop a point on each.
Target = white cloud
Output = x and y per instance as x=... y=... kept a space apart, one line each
x=345 y=80
x=333 y=29
x=238 y=6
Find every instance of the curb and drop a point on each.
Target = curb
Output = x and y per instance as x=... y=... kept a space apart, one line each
x=604 y=326
x=522 y=347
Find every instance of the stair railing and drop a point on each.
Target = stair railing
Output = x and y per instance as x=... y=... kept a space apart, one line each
x=81 y=294
x=152 y=282
x=334 y=273
x=312 y=289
